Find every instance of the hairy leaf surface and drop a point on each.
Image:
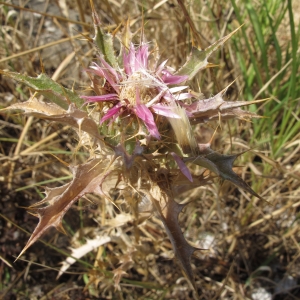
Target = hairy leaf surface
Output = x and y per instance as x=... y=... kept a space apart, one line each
x=103 y=41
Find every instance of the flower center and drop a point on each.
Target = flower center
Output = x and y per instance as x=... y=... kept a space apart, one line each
x=136 y=83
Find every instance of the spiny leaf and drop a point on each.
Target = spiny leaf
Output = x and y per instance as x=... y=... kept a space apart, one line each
x=87 y=178
x=216 y=107
x=50 y=89
x=222 y=165
x=126 y=263
x=181 y=184
x=168 y=210
x=50 y=111
x=198 y=58
x=104 y=41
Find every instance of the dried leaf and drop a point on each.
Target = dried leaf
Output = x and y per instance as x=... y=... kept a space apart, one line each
x=87 y=178
x=118 y=274
x=182 y=184
x=222 y=165
x=126 y=263
x=168 y=210
x=216 y=107
x=83 y=250
x=50 y=111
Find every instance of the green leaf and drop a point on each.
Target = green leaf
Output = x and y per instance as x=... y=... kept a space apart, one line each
x=50 y=89
x=104 y=41
x=198 y=58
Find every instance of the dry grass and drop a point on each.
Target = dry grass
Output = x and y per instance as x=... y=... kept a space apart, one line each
x=250 y=244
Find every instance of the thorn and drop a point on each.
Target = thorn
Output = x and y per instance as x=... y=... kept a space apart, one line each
x=213 y=136
x=60 y=160
x=226 y=88
x=116 y=30
x=210 y=65
x=41 y=63
x=61 y=229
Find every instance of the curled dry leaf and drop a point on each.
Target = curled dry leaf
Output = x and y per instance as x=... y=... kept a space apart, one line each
x=49 y=111
x=87 y=178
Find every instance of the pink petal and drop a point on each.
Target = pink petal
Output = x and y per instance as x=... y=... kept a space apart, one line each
x=182 y=166
x=168 y=96
x=126 y=63
x=96 y=69
x=143 y=112
x=164 y=110
x=112 y=113
x=160 y=67
x=137 y=97
x=142 y=57
x=178 y=88
x=129 y=60
x=156 y=98
x=108 y=73
x=117 y=76
x=107 y=97
x=183 y=96
x=168 y=78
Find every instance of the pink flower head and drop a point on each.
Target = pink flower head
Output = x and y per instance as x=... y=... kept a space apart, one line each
x=138 y=89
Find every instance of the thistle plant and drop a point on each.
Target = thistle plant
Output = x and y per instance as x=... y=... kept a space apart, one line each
x=137 y=122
